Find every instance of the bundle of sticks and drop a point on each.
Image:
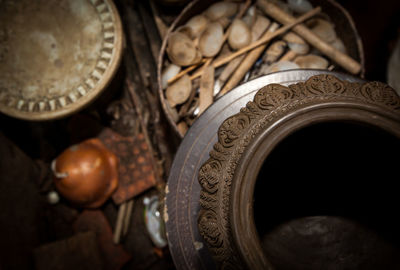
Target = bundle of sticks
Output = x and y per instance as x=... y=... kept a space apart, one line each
x=211 y=54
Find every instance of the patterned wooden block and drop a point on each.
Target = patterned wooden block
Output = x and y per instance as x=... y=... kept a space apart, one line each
x=136 y=172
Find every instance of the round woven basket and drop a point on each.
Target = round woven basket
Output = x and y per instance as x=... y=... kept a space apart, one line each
x=344 y=26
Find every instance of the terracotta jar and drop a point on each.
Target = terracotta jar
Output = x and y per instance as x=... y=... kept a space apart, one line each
x=86 y=174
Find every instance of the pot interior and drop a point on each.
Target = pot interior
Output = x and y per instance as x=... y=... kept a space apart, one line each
x=326 y=198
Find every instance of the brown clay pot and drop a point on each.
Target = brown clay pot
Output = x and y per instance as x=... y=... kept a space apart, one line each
x=86 y=174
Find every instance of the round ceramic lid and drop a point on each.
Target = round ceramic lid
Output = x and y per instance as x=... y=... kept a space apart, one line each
x=56 y=56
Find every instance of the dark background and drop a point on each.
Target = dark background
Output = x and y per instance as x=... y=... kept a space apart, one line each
x=378 y=24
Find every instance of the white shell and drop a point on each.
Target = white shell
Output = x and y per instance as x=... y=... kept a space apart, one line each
x=324 y=29
x=169 y=72
x=339 y=45
x=197 y=24
x=182 y=127
x=224 y=22
x=181 y=50
x=259 y=27
x=250 y=16
x=184 y=29
x=274 y=51
x=179 y=91
x=311 y=61
x=239 y=35
x=211 y=40
x=296 y=43
x=172 y=112
x=221 y=9
x=53 y=197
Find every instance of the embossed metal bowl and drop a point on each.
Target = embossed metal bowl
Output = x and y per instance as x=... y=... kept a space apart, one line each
x=56 y=56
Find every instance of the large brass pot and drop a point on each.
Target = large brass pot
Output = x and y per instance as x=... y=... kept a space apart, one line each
x=231 y=202
x=289 y=210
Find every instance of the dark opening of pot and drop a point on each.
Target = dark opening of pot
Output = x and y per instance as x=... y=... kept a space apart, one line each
x=326 y=198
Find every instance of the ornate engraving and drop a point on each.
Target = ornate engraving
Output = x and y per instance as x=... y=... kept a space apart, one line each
x=235 y=133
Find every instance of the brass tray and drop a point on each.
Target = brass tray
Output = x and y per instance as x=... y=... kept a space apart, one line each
x=56 y=56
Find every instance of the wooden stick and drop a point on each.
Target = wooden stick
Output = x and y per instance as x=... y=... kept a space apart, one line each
x=185 y=107
x=257 y=30
x=225 y=50
x=337 y=56
x=127 y=219
x=119 y=223
x=243 y=10
x=187 y=70
x=238 y=16
x=247 y=63
x=225 y=37
x=182 y=127
x=206 y=88
x=161 y=26
x=230 y=68
x=263 y=40
x=288 y=56
x=138 y=108
x=274 y=51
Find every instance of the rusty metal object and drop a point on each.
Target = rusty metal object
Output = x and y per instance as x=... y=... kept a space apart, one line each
x=56 y=57
x=246 y=139
x=86 y=174
x=188 y=249
x=136 y=173
x=344 y=25
x=114 y=256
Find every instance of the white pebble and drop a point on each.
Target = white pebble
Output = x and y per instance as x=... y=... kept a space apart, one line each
x=53 y=197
